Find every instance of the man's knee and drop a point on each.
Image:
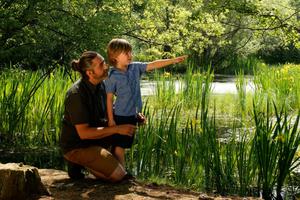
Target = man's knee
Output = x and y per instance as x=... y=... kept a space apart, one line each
x=117 y=174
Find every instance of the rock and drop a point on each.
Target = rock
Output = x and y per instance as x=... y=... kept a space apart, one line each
x=18 y=181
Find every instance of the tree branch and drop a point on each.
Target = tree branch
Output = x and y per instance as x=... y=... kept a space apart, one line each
x=281 y=25
x=145 y=40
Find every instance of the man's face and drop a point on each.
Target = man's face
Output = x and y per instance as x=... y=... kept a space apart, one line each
x=99 y=69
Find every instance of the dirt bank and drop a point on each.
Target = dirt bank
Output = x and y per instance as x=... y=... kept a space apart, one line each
x=62 y=188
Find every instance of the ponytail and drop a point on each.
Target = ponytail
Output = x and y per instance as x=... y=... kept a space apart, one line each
x=84 y=63
x=75 y=65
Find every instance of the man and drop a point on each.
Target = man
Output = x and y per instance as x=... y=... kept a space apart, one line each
x=84 y=136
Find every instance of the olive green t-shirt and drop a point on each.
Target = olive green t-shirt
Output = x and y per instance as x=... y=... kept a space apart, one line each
x=84 y=103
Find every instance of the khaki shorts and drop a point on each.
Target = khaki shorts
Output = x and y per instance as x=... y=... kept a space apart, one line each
x=95 y=158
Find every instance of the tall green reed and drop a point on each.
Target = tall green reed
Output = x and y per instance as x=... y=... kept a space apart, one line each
x=182 y=141
x=165 y=89
x=280 y=84
x=174 y=147
x=192 y=86
x=31 y=107
x=276 y=142
x=49 y=116
x=243 y=136
x=182 y=147
x=14 y=101
x=241 y=84
x=288 y=137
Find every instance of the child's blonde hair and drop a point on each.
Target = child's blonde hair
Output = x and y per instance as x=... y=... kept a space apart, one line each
x=116 y=47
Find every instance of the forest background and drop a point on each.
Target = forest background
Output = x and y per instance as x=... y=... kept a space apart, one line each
x=37 y=34
x=244 y=143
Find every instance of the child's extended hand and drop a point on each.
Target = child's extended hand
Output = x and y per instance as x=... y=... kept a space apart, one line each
x=164 y=62
x=111 y=123
x=141 y=119
x=180 y=59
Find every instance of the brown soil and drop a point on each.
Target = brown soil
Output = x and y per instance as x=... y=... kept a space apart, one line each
x=62 y=188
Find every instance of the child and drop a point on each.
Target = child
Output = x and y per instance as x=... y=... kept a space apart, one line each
x=124 y=83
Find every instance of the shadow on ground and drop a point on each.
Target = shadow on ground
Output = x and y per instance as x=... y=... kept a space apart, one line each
x=63 y=188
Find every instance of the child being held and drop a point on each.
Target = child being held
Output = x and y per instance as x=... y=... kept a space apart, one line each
x=124 y=83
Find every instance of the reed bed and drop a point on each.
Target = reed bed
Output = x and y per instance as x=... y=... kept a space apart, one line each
x=189 y=148
x=246 y=144
x=31 y=106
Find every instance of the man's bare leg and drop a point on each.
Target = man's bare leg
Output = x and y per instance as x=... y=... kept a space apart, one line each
x=116 y=175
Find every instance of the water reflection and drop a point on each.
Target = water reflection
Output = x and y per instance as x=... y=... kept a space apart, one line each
x=222 y=84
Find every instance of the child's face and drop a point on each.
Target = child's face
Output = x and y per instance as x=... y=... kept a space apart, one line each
x=124 y=58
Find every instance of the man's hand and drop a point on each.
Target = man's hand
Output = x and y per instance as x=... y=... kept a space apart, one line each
x=126 y=129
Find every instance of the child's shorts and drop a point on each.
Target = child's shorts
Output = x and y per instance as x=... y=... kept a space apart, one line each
x=125 y=119
x=123 y=140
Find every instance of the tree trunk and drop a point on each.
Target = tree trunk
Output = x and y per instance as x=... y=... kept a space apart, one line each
x=18 y=181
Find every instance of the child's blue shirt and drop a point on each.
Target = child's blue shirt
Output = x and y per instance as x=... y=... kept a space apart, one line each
x=126 y=87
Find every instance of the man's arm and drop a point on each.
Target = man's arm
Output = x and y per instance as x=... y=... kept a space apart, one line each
x=86 y=132
x=164 y=62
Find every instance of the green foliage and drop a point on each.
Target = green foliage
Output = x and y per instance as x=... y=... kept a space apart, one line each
x=36 y=34
x=214 y=32
x=281 y=54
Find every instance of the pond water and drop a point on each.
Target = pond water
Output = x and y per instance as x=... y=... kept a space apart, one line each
x=221 y=85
